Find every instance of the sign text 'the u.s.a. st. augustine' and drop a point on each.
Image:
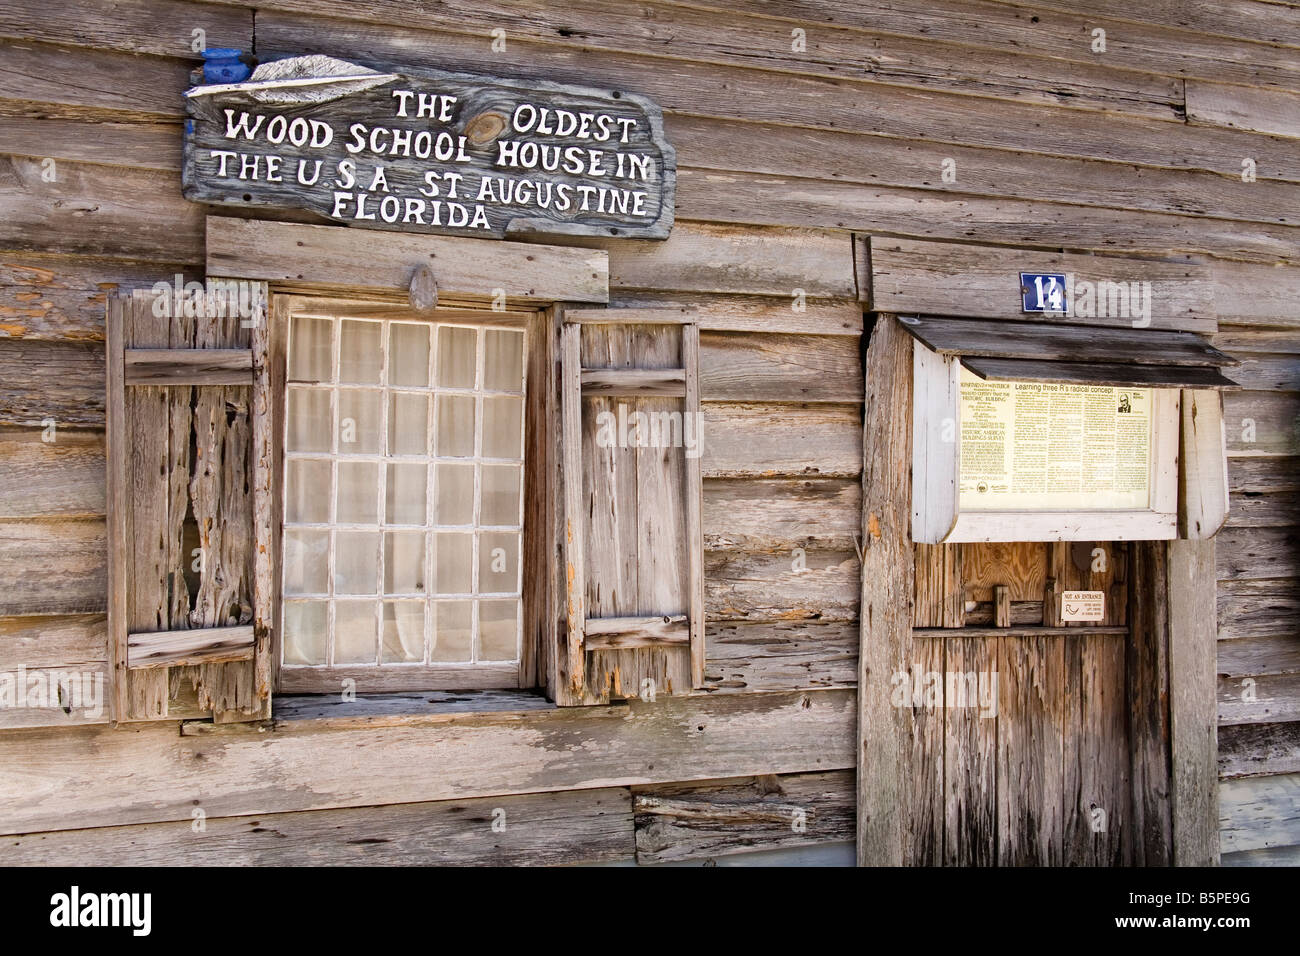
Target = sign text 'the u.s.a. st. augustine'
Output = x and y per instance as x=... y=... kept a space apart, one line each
x=432 y=152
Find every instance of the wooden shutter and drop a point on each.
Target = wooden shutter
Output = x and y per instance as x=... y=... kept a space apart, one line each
x=632 y=533
x=188 y=508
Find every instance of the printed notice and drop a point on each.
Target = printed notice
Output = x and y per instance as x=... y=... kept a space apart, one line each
x=1083 y=606
x=1049 y=446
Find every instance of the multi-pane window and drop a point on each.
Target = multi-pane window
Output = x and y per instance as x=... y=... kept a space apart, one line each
x=403 y=496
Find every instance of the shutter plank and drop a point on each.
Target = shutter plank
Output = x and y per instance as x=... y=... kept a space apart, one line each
x=148 y=434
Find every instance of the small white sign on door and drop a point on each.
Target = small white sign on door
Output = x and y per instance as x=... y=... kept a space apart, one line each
x=1083 y=606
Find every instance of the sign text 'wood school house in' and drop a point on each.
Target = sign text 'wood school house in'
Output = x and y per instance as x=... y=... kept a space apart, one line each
x=432 y=152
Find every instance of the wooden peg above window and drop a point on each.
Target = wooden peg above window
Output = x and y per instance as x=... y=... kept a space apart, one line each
x=424 y=290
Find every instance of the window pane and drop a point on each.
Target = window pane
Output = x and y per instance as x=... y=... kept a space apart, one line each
x=455 y=438
x=404 y=562
x=306 y=562
x=354 y=632
x=358 y=493
x=403 y=632
x=498 y=562
x=361 y=352
x=453 y=631
x=360 y=431
x=503 y=360
x=503 y=420
x=498 y=629
x=406 y=493
x=500 y=495
x=408 y=354
x=310 y=350
x=408 y=423
x=356 y=562
x=454 y=494
x=306 y=629
x=457 y=357
x=309 y=422
x=452 y=560
x=307 y=491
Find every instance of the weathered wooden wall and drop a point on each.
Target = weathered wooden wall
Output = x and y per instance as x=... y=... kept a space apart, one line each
x=783 y=153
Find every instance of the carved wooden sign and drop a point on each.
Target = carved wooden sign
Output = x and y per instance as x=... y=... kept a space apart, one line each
x=432 y=152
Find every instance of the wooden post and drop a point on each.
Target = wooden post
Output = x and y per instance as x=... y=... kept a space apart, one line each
x=1193 y=703
x=885 y=731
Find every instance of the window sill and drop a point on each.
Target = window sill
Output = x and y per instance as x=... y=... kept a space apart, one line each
x=311 y=712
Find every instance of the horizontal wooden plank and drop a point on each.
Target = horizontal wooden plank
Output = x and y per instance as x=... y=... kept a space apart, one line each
x=1064 y=33
x=1269 y=856
x=631 y=382
x=741 y=197
x=1263 y=109
x=722 y=146
x=136 y=26
x=615 y=316
x=1238 y=339
x=812 y=585
x=95 y=210
x=912 y=276
x=1251 y=608
x=1253 y=656
x=62 y=382
x=1016 y=630
x=898 y=57
x=51 y=472
x=1252 y=750
x=536 y=829
x=772 y=441
x=721 y=258
x=1261 y=296
x=1048 y=342
x=208 y=645
x=74 y=695
x=686 y=822
x=382 y=710
x=752 y=657
x=332 y=256
x=57 y=640
x=63 y=297
x=369 y=679
x=1263 y=475
x=188 y=367
x=1256 y=509
x=1266 y=372
x=71 y=779
x=1259 y=812
x=1262 y=423
x=774 y=368
x=1156 y=376
x=1257 y=553
x=839 y=103
x=149 y=86
x=1265 y=22
x=782 y=514
x=52 y=566
x=92 y=139
x=612 y=633
x=791 y=314
x=1268 y=698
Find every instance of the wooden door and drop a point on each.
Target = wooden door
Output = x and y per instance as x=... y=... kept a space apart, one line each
x=1021 y=748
